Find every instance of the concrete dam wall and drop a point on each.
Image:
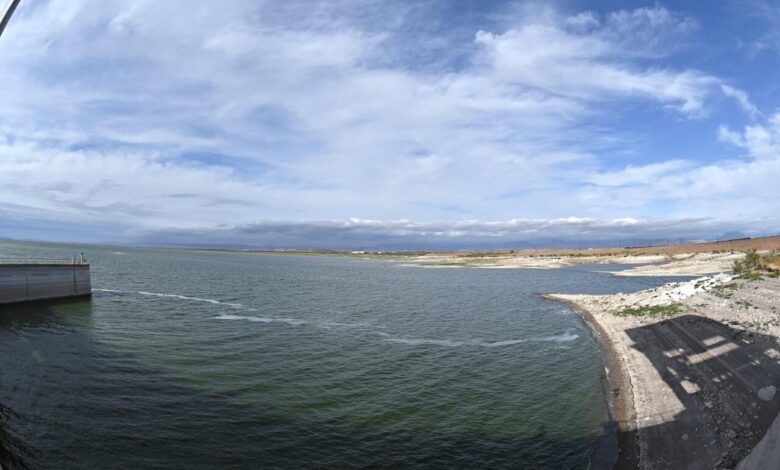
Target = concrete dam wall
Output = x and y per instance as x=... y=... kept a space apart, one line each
x=28 y=282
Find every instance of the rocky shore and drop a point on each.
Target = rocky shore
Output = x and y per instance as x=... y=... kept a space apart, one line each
x=697 y=368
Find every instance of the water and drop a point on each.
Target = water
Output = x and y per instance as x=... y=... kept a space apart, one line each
x=212 y=360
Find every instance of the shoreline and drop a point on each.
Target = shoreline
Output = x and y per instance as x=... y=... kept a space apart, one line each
x=690 y=259
x=683 y=264
x=619 y=394
x=692 y=366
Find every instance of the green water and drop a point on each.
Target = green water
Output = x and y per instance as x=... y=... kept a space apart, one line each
x=211 y=360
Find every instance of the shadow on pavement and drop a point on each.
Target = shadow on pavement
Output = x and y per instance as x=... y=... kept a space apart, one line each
x=719 y=401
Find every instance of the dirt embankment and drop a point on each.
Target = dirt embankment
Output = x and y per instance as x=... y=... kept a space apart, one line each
x=700 y=368
x=690 y=264
x=693 y=259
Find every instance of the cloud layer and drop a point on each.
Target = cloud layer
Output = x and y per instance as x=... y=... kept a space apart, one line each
x=143 y=120
x=570 y=232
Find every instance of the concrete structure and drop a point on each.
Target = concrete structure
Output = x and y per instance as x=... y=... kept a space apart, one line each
x=766 y=455
x=24 y=280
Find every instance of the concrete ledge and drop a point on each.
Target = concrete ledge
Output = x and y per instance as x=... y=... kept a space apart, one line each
x=31 y=282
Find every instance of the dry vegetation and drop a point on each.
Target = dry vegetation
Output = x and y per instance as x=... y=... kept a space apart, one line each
x=755 y=263
x=747 y=244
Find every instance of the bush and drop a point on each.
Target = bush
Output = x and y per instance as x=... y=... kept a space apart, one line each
x=753 y=262
x=747 y=264
x=771 y=261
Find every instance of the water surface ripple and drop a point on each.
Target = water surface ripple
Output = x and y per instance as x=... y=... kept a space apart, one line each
x=209 y=360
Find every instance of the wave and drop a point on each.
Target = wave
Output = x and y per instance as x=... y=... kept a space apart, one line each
x=194 y=299
x=418 y=342
x=173 y=296
x=508 y=342
x=289 y=321
x=350 y=325
x=566 y=337
x=297 y=322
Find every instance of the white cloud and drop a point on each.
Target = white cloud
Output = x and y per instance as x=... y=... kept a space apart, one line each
x=727 y=135
x=742 y=98
x=515 y=233
x=762 y=141
x=729 y=189
x=645 y=175
x=765 y=19
x=653 y=32
x=580 y=57
x=174 y=114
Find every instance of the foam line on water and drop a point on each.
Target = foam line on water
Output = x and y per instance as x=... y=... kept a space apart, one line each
x=498 y=344
x=173 y=296
x=419 y=342
x=289 y=321
x=194 y=299
x=566 y=337
x=350 y=325
x=297 y=322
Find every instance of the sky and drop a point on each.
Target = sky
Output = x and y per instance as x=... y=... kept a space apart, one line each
x=389 y=124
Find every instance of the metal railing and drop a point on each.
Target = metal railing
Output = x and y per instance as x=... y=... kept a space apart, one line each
x=7 y=15
x=63 y=261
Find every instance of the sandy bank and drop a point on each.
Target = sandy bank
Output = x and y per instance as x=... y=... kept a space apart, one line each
x=691 y=264
x=694 y=264
x=691 y=259
x=477 y=260
x=698 y=365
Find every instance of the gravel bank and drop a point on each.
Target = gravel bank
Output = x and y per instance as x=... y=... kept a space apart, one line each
x=699 y=368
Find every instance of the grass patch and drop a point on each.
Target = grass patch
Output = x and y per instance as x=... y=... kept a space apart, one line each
x=730 y=285
x=751 y=276
x=726 y=291
x=652 y=310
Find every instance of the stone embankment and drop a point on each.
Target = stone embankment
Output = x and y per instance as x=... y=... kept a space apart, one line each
x=700 y=371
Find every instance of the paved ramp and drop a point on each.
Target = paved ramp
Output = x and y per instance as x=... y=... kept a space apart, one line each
x=714 y=414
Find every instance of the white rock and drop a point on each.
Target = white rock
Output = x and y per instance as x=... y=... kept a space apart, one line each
x=767 y=393
x=690 y=387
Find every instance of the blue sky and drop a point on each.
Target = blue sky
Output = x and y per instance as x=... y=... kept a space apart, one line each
x=368 y=123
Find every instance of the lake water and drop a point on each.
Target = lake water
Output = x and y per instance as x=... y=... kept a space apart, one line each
x=202 y=360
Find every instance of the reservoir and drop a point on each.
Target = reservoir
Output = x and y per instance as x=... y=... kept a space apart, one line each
x=185 y=359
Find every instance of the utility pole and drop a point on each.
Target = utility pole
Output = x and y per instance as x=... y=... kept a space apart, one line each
x=7 y=15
